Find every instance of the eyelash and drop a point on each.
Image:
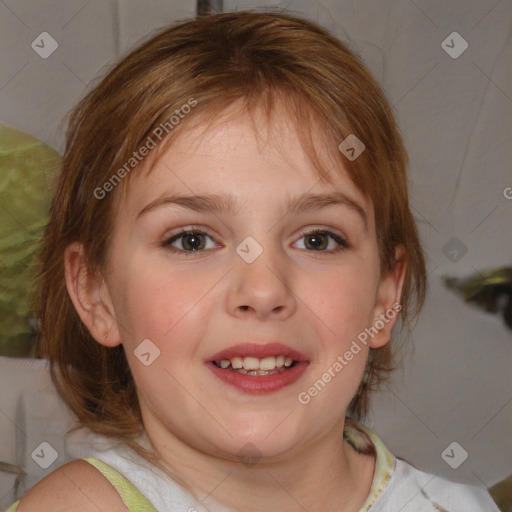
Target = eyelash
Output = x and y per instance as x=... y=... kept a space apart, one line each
x=343 y=244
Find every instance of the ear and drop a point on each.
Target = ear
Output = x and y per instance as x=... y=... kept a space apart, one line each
x=387 y=304
x=91 y=297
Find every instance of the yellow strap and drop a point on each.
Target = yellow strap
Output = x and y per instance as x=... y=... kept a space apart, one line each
x=14 y=506
x=131 y=496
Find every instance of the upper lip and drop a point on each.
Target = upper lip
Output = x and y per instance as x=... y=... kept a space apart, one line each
x=259 y=351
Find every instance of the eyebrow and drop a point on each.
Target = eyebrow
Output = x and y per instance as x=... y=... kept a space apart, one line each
x=223 y=203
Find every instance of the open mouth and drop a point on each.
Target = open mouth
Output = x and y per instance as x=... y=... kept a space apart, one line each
x=257 y=366
x=258 y=369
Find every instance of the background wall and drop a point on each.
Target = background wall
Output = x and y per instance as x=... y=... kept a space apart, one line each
x=454 y=112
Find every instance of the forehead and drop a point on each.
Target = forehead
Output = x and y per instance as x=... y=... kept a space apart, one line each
x=244 y=154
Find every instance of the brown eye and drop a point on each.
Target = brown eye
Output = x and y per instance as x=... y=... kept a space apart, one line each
x=320 y=241
x=316 y=241
x=193 y=241
x=189 y=241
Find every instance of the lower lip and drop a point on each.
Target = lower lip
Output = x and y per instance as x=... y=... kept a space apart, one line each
x=259 y=384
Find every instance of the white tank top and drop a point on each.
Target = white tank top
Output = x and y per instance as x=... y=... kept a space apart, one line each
x=397 y=485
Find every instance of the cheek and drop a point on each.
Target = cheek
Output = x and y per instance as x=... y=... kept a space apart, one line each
x=152 y=302
x=343 y=299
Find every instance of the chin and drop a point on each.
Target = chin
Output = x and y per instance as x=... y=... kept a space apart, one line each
x=269 y=440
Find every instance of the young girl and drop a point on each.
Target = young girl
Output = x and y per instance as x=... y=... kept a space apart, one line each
x=230 y=246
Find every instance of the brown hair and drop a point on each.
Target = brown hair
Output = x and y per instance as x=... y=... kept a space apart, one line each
x=259 y=58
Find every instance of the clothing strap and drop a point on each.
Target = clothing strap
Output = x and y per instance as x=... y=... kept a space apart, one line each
x=14 y=506
x=364 y=440
x=134 y=500
x=131 y=496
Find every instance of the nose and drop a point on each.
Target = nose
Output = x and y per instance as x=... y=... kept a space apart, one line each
x=262 y=288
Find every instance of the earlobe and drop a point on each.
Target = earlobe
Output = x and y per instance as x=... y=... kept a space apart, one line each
x=91 y=297
x=387 y=305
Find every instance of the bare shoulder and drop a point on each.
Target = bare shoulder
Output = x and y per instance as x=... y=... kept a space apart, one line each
x=76 y=486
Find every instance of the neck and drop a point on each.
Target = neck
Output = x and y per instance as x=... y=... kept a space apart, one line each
x=326 y=475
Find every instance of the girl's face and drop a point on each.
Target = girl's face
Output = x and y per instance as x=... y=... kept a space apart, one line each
x=257 y=286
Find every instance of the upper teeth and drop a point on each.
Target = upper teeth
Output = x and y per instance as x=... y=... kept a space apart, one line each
x=254 y=363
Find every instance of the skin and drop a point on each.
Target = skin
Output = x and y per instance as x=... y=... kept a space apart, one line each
x=193 y=307
x=76 y=486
